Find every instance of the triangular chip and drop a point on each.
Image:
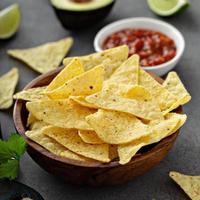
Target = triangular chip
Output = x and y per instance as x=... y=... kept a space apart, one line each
x=8 y=83
x=81 y=100
x=32 y=94
x=60 y=113
x=111 y=59
x=71 y=140
x=45 y=57
x=87 y=83
x=52 y=146
x=115 y=127
x=90 y=137
x=74 y=68
x=127 y=73
x=158 y=132
x=176 y=87
x=190 y=184
x=161 y=94
x=144 y=109
x=113 y=154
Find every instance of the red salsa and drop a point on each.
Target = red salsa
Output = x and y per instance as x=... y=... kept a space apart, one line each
x=153 y=47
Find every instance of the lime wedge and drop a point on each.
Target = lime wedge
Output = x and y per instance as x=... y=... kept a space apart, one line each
x=167 y=7
x=9 y=21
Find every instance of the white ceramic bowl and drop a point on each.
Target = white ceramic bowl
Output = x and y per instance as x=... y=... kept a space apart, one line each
x=147 y=23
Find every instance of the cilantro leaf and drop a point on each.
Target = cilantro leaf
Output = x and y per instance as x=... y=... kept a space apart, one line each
x=5 y=152
x=10 y=153
x=9 y=169
x=17 y=144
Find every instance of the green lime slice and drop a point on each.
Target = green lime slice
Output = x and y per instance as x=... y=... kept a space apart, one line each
x=9 y=21
x=167 y=7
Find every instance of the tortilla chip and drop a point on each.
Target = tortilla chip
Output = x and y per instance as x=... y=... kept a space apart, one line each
x=31 y=119
x=81 y=100
x=111 y=59
x=176 y=87
x=161 y=94
x=45 y=57
x=127 y=73
x=158 y=132
x=53 y=146
x=71 y=140
x=190 y=184
x=73 y=69
x=117 y=128
x=32 y=94
x=87 y=83
x=141 y=108
x=89 y=137
x=38 y=125
x=60 y=113
x=8 y=83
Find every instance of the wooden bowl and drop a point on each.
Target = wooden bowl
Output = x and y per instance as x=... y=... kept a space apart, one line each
x=91 y=174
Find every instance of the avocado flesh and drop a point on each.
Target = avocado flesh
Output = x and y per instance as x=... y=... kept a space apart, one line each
x=84 y=6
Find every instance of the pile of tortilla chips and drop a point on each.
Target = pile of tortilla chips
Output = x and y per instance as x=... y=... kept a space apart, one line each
x=103 y=107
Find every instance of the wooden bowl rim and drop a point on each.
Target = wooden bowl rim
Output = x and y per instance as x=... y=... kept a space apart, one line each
x=18 y=121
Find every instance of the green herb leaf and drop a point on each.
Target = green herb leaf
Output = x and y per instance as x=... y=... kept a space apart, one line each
x=9 y=169
x=17 y=144
x=10 y=153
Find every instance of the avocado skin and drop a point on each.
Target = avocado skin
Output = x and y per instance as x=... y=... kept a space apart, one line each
x=82 y=19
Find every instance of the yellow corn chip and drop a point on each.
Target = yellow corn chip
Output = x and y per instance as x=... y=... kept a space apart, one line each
x=141 y=108
x=31 y=119
x=127 y=73
x=60 y=113
x=161 y=94
x=8 y=83
x=71 y=140
x=45 y=57
x=117 y=128
x=111 y=59
x=190 y=184
x=87 y=83
x=89 y=137
x=32 y=94
x=158 y=132
x=73 y=69
x=176 y=87
x=53 y=146
x=81 y=100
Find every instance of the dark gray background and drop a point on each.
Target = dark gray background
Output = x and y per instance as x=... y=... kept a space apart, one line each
x=39 y=25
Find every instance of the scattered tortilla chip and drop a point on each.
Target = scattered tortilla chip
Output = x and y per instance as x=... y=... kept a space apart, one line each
x=45 y=57
x=32 y=94
x=73 y=69
x=60 y=113
x=161 y=94
x=89 y=137
x=51 y=145
x=127 y=73
x=8 y=83
x=71 y=140
x=81 y=100
x=141 y=108
x=111 y=59
x=87 y=83
x=117 y=128
x=38 y=125
x=176 y=87
x=158 y=132
x=190 y=184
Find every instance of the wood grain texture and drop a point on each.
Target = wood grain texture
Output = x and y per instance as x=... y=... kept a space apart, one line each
x=91 y=174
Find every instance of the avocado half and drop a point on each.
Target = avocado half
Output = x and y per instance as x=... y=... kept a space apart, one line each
x=77 y=14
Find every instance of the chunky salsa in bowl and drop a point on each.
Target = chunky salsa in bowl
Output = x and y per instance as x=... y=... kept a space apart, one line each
x=153 y=47
x=160 y=45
